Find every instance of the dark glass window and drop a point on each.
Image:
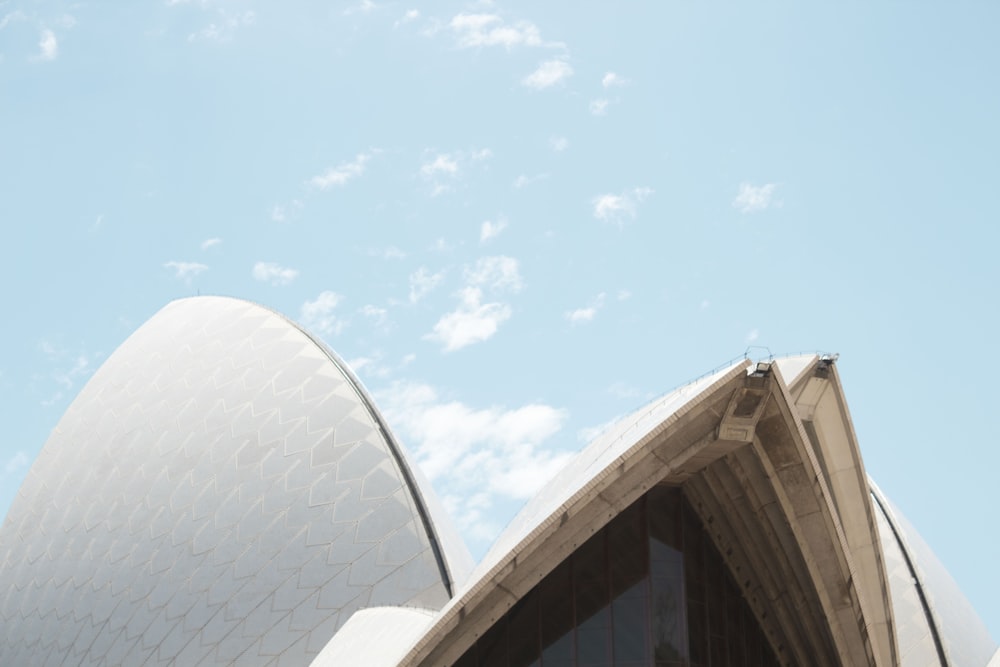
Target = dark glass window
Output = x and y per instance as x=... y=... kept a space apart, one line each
x=556 y=602
x=648 y=589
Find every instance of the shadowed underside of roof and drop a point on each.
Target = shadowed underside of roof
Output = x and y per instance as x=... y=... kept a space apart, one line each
x=735 y=444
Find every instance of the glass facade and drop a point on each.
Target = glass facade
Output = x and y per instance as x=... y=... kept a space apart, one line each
x=648 y=589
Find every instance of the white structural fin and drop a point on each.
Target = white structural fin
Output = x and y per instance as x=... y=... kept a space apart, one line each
x=220 y=492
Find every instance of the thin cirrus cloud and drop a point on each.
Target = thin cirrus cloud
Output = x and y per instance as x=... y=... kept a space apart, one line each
x=379 y=317
x=275 y=274
x=185 y=270
x=209 y=243
x=285 y=212
x=475 y=319
x=445 y=169
x=481 y=30
x=15 y=464
x=611 y=79
x=48 y=46
x=364 y=7
x=523 y=180
x=615 y=208
x=587 y=313
x=70 y=369
x=443 y=163
x=548 y=74
x=318 y=315
x=224 y=28
x=472 y=322
x=422 y=282
x=408 y=17
x=498 y=274
x=490 y=230
x=477 y=457
x=754 y=198
x=11 y=17
x=389 y=252
x=340 y=175
x=599 y=107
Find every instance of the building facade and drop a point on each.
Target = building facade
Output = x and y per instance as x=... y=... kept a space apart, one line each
x=224 y=491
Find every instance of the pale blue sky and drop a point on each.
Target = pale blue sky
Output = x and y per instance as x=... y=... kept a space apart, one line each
x=521 y=220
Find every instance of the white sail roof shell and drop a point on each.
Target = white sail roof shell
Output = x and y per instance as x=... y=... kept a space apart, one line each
x=221 y=491
x=224 y=491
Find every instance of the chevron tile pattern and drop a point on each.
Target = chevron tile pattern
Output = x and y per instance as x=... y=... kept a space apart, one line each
x=219 y=493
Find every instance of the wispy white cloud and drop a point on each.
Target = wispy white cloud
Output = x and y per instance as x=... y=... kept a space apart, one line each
x=68 y=369
x=286 y=212
x=50 y=349
x=475 y=320
x=558 y=144
x=364 y=7
x=357 y=363
x=67 y=377
x=209 y=243
x=11 y=17
x=443 y=163
x=754 y=198
x=339 y=176
x=389 y=252
x=225 y=27
x=185 y=270
x=498 y=274
x=472 y=322
x=581 y=314
x=624 y=295
x=752 y=335
x=15 y=464
x=379 y=317
x=275 y=274
x=409 y=16
x=490 y=230
x=318 y=316
x=48 y=46
x=523 y=180
x=482 y=456
x=479 y=30
x=613 y=208
x=611 y=79
x=587 y=313
x=444 y=169
x=548 y=74
x=599 y=107
x=14 y=468
x=441 y=245
x=624 y=391
x=422 y=282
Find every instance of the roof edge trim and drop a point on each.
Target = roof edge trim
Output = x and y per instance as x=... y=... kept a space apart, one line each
x=397 y=452
x=918 y=582
x=496 y=573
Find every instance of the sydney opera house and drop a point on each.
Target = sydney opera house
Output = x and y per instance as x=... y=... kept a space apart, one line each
x=224 y=492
